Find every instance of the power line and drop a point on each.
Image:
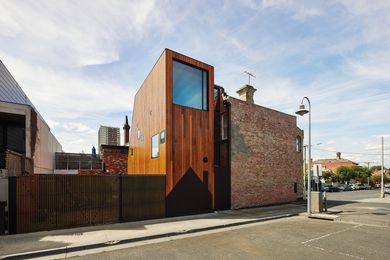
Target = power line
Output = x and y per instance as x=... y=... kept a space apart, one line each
x=348 y=152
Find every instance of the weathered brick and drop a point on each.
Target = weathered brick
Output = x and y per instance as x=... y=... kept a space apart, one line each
x=264 y=161
x=90 y=171
x=115 y=159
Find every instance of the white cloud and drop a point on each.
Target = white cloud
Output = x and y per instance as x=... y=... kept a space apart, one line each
x=52 y=124
x=336 y=60
x=78 y=127
x=365 y=7
x=58 y=94
x=303 y=13
x=277 y=3
x=375 y=66
x=300 y=10
x=78 y=33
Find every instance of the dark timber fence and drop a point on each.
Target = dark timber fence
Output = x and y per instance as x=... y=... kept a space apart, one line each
x=46 y=202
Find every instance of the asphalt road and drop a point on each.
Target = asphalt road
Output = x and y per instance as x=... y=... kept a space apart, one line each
x=354 y=195
x=363 y=232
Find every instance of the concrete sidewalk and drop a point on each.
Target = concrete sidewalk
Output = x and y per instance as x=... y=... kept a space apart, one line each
x=63 y=242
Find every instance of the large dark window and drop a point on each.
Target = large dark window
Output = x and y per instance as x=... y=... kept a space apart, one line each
x=189 y=86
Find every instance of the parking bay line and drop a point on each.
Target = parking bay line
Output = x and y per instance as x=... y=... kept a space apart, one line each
x=307 y=243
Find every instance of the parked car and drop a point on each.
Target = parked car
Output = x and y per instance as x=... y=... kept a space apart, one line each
x=345 y=187
x=329 y=188
x=387 y=190
x=377 y=185
x=355 y=186
x=365 y=186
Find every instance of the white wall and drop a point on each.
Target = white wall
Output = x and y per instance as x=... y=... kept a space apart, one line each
x=46 y=144
x=45 y=148
x=56 y=171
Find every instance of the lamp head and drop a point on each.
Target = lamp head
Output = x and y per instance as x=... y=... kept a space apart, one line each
x=302 y=110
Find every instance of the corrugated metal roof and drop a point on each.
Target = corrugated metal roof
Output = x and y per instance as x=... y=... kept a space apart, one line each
x=10 y=91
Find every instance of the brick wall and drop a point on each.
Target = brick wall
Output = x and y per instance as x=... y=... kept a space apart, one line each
x=90 y=172
x=264 y=161
x=115 y=159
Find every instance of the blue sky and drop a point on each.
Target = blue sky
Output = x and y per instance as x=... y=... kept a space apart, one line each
x=81 y=62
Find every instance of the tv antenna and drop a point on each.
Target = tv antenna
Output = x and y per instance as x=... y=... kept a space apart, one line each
x=249 y=77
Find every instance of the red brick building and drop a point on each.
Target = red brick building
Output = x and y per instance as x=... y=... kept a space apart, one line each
x=333 y=164
x=114 y=159
x=266 y=154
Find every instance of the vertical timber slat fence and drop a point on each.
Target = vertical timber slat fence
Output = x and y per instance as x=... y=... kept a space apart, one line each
x=47 y=202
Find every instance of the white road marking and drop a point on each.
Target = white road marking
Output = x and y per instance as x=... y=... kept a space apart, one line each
x=330 y=234
x=307 y=243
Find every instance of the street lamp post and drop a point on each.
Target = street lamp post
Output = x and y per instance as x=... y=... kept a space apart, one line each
x=304 y=169
x=302 y=111
x=382 y=172
x=304 y=172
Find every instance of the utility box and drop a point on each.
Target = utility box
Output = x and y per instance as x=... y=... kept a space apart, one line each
x=317 y=205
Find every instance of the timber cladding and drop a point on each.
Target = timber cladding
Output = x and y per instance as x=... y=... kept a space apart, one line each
x=149 y=118
x=46 y=202
x=190 y=132
x=189 y=135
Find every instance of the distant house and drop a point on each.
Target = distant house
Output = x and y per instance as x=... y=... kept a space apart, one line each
x=24 y=134
x=333 y=164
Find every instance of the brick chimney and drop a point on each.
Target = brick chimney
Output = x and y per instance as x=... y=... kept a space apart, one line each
x=246 y=93
x=126 y=129
x=338 y=155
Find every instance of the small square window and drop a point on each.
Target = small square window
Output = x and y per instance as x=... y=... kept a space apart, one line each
x=162 y=137
x=156 y=146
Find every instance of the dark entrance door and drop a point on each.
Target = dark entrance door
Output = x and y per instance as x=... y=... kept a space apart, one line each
x=12 y=135
x=222 y=181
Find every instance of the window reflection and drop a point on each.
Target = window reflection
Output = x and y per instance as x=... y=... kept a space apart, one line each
x=155 y=146
x=189 y=86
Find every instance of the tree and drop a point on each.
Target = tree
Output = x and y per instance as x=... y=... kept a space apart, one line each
x=329 y=176
x=361 y=173
x=348 y=173
x=326 y=175
x=345 y=174
x=375 y=168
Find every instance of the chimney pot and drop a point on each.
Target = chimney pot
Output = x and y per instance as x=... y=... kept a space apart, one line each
x=126 y=129
x=246 y=93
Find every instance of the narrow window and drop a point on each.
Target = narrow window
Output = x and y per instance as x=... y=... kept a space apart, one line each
x=155 y=146
x=138 y=134
x=298 y=144
x=224 y=128
x=162 y=137
x=204 y=90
